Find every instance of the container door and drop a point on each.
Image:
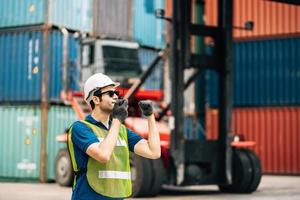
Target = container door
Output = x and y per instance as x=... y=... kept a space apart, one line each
x=20 y=142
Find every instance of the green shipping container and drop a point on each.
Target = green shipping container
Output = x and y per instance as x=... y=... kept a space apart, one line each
x=20 y=138
x=59 y=119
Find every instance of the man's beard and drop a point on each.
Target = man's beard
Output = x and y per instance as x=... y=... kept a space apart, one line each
x=106 y=110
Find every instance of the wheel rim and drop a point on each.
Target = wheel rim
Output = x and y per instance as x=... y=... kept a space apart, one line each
x=62 y=169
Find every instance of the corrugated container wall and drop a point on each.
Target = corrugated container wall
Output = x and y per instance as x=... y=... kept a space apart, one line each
x=21 y=126
x=108 y=24
x=60 y=118
x=275 y=131
x=269 y=18
x=73 y=14
x=265 y=73
x=155 y=80
x=21 y=65
x=148 y=30
x=20 y=142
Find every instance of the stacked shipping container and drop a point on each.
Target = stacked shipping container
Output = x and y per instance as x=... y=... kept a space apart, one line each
x=109 y=25
x=39 y=61
x=72 y=14
x=135 y=21
x=20 y=136
x=147 y=29
x=265 y=73
x=60 y=118
x=265 y=82
x=22 y=64
x=270 y=19
x=42 y=42
x=21 y=139
x=275 y=131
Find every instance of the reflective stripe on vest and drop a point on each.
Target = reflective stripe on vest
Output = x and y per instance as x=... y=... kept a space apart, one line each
x=111 y=179
x=114 y=175
x=120 y=142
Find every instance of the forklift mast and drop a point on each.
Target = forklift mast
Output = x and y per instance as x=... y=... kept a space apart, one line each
x=210 y=160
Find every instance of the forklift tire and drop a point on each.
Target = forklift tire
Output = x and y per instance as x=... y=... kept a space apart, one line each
x=242 y=173
x=63 y=168
x=256 y=172
x=158 y=177
x=141 y=175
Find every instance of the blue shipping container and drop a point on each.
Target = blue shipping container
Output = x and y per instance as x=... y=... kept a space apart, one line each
x=73 y=14
x=265 y=73
x=148 y=30
x=192 y=128
x=155 y=80
x=21 y=65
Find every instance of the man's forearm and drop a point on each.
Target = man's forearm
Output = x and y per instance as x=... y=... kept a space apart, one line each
x=108 y=144
x=153 y=137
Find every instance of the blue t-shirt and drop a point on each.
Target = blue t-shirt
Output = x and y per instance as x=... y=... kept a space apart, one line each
x=82 y=138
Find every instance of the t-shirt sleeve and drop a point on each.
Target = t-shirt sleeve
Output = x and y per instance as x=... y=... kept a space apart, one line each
x=82 y=136
x=133 y=138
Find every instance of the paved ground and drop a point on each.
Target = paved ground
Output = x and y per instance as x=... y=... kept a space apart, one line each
x=271 y=188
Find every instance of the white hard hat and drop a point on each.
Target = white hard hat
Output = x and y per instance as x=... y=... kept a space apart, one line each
x=96 y=81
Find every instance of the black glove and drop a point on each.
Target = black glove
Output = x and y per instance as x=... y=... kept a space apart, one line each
x=120 y=110
x=146 y=107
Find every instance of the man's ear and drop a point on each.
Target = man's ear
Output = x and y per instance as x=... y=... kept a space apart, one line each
x=96 y=100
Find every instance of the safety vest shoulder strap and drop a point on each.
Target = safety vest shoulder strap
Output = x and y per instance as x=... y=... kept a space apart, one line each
x=72 y=155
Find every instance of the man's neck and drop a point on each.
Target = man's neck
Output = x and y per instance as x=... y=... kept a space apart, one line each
x=101 y=117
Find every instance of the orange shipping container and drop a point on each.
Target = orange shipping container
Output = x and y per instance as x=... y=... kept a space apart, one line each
x=276 y=132
x=270 y=18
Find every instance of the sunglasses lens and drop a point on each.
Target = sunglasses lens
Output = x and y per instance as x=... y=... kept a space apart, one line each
x=112 y=93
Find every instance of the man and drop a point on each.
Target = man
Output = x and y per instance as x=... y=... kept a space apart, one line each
x=99 y=145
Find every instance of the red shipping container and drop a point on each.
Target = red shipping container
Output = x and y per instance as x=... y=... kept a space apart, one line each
x=276 y=132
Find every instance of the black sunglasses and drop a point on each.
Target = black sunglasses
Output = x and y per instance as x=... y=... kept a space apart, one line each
x=111 y=93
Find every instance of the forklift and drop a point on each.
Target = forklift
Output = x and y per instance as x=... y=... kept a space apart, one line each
x=225 y=162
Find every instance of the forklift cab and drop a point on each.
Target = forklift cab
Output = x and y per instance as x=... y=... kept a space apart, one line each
x=117 y=59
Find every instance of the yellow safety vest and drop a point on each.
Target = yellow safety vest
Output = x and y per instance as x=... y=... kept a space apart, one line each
x=111 y=179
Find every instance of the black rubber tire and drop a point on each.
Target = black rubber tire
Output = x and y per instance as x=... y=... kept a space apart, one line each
x=141 y=175
x=256 y=172
x=158 y=177
x=242 y=173
x=63 y=168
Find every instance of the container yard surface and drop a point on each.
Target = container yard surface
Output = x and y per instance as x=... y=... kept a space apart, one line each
x=271 y=187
